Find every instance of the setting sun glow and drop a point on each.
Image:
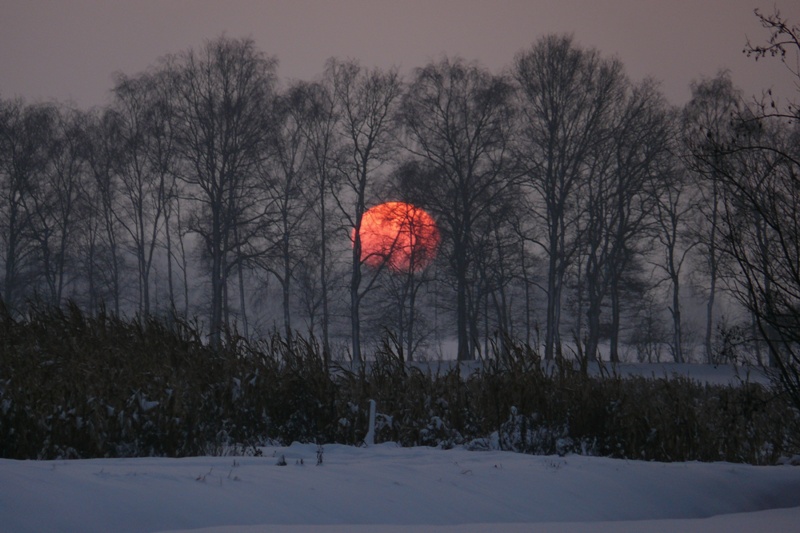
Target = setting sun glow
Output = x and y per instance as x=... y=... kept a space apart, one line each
x=401 y=235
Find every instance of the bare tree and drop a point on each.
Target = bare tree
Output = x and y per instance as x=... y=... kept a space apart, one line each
x=163 y=160
x=497 y=265
x=410 y=254
x=50 y=200
x=642 y=145
x=759 y=171
x=221 y=94
x=457 y=119
x=145 y=169
x=674 y=209
x=55 y=204
x=103 y=255
x=404 y=288
x=23 y=160
x=760 y=231
x=319 y=122
x=708 y=118
x=565 y=96
x=365 y=101
x=289 y=193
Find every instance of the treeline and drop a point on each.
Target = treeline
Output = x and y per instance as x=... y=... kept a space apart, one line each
x=77 y=386
x=577 y=207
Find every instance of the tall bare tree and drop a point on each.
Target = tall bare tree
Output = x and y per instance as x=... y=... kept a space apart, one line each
x=642 y=147
x=103 y=254
x=289 y=192
x=760 y=232
x=55 y=203
x=673 y=216
x=23 y=161
x=708 y=118
x=457 y=119
x=163 y=160
x=565 y=96
x=319 y=123
x=145 y=169
x=761 y=229
x=221 y=93
x=365 y=101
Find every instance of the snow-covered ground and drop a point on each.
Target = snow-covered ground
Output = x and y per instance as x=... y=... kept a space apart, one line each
x=387 y=489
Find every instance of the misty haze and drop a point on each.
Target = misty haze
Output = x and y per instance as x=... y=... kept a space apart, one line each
x=551 y=257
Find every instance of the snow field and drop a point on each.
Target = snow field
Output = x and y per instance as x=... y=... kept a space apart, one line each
x=385 y=488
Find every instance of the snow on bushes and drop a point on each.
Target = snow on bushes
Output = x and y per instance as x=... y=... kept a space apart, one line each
x=78 y=386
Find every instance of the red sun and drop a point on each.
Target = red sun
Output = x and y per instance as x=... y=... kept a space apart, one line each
x=400 y=235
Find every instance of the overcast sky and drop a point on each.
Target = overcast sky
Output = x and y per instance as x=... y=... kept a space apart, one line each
x=68 y=50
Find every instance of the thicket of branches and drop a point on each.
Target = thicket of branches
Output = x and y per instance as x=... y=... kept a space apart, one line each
x=77 y=386
x=576 y=206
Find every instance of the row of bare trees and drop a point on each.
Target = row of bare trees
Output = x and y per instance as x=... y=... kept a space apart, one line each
x=752 y=170
x=576 y=207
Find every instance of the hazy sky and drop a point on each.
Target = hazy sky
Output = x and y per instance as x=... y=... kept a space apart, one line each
x=68 y=50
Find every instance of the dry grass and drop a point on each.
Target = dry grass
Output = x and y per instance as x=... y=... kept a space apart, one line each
x=79 y=386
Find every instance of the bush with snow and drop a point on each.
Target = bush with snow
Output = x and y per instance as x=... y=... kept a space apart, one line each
x=79 y=386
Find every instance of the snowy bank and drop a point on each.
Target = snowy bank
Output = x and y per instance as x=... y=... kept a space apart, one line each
x=397 y=489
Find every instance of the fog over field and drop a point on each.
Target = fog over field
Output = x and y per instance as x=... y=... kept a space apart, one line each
x=399 y=266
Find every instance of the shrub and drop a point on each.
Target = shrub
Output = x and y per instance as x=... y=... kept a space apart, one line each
x=72 y=385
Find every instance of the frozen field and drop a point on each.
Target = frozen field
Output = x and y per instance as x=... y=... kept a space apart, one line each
x=385 y=488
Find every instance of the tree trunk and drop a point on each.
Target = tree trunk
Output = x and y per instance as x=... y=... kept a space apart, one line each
x=464 y=353
x=170 y=284
x=242 y=300
x=286 y=286
x=615 y=319
x=712 y=263
x=355 y=283
x=593 y=323
x=411 y=316
x=552 y=298
x=677 y=335
x=326 y=347
x=216 y=287
x=527 y=288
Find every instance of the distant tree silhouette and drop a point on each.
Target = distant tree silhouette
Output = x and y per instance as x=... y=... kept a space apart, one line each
x=24 y=146
x=221 y=93
x=758 y=164
x=565 y=95
x=146 y=169
x=707 y=118
x=289 y=192
x=643 y=149
x=319 y=122
x=457 y=119
x=364 y=102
